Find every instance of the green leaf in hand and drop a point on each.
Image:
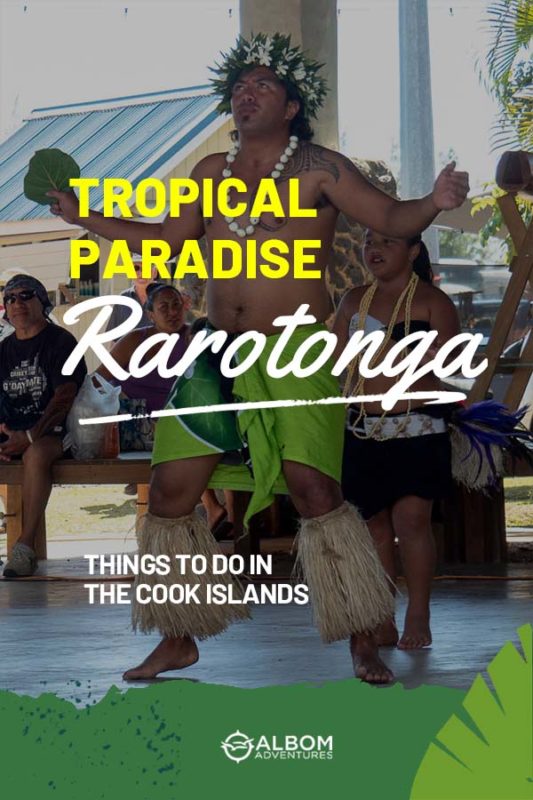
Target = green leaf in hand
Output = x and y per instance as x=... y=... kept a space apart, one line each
x=49 y=169
x=489 y=755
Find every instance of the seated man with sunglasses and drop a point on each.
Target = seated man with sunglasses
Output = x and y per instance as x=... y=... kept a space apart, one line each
x=35 y=399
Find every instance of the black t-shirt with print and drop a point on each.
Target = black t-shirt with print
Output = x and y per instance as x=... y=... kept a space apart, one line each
x=30 y=372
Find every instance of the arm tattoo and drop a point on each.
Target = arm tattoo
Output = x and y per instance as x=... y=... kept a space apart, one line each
x=350 y=166
x=309 y=158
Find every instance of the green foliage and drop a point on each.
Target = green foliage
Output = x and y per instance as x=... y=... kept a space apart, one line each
x=512 y=25
x=454 y=244
x=486 y=752
x=289 y=63
x=509 y=70
x=495 y=223
x=49 y=169
x=514 y=128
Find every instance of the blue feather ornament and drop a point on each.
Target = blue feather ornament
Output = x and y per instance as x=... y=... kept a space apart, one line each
x=481 y=435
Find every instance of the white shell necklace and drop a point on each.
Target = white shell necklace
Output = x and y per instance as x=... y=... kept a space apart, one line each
x=249 y=230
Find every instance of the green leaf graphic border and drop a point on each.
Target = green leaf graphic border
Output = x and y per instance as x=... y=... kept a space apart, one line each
x=164 y=740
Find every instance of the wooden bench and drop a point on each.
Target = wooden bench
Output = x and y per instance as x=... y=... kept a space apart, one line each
x=97 y=471
x=475 y=533
x=128 y=468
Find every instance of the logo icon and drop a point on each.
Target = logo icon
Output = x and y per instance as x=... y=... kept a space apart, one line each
x=237 y=746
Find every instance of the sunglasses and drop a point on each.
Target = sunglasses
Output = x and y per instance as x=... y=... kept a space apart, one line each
x=25 y=296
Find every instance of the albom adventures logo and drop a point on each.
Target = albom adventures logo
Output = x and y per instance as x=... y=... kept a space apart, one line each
x=238 y=747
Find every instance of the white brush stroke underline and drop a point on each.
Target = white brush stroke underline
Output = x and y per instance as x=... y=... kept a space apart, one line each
x=432 y=398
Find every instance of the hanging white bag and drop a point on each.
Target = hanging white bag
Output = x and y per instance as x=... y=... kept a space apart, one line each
x=96 y=398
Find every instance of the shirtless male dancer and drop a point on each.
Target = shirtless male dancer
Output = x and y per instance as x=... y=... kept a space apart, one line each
x=272 y=89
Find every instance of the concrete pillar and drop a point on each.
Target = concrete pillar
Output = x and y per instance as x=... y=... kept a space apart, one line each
x=417 y=160
x=312 y=24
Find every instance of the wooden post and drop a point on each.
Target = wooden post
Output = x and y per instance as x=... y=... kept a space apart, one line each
x=505 y=316
x=473 y=527
x=12 y=500
x=521 y=375
x=513 y=219
x=479 y=519
x=142 y=499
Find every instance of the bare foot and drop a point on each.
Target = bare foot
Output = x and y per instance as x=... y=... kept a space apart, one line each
x=169 y=654
x=416 y=633
x=367 y=664
x=387 y=634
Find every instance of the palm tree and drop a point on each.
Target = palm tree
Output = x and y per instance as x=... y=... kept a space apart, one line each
x=508 y=76
x=510 y=71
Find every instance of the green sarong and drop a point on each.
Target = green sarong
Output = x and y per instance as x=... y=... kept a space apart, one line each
x=311 y=435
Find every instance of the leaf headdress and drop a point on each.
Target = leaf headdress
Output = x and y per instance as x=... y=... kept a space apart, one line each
x=290 y=64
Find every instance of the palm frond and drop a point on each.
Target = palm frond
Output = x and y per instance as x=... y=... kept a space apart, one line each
x=513 y=134
x=512 y=24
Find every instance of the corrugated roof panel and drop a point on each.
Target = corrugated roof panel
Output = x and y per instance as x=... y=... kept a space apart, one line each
x=20 y=138
x=39 y=133
x=63 y=132
x=143 y=131
x=128 y=141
